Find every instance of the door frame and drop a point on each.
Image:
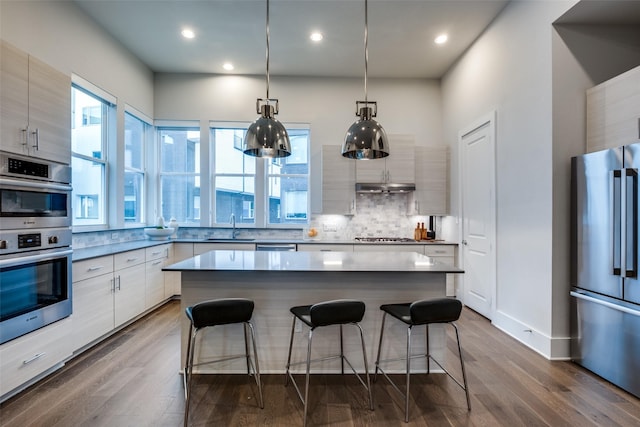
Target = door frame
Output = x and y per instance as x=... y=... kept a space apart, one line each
x=490 y=119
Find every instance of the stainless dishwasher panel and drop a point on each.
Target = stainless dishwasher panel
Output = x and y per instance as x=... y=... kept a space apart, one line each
x=276 y=247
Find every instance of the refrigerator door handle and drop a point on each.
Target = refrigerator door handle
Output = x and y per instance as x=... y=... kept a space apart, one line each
x=621 y=308
x=616 y=214
x=631 y=223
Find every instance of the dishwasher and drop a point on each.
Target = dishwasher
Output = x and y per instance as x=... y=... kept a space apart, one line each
x=286 y=247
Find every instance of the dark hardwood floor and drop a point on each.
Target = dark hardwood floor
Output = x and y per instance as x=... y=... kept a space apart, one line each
x=132 y=379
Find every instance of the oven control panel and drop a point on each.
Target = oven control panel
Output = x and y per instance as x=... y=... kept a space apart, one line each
x=17 y=241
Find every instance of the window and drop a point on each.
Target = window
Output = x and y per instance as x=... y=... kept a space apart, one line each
x=234 y=177
x=180 y=174
x=135 y=135
x=288 y=179
x=90 y=116
x=260 y=191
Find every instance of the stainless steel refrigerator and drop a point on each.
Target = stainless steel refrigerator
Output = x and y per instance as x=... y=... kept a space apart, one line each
x=605 y=285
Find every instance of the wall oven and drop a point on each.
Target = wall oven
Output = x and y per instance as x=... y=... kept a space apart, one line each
x=35 y=244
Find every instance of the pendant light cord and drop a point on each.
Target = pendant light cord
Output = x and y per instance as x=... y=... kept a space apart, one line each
x=267 y=49
x=366 y=47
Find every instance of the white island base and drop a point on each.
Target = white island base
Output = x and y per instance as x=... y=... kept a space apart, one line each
x=298 y=278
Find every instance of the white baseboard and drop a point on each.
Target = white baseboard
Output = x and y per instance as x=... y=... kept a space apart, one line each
x=552 y=348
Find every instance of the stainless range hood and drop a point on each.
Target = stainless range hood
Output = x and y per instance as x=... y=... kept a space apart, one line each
x=379 y=187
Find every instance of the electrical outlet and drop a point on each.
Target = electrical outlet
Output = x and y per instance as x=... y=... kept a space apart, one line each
x=114 y=236
x=329 y=227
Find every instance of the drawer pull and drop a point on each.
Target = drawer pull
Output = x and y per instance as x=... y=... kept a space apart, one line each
x=99 y=267
x=155 y=253
x=33 y=359
x=132 y=259
x=156 y=263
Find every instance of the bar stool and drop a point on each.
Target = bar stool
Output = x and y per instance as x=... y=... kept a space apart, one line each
x=424 y=312
x=215 y=313
x=337 y=312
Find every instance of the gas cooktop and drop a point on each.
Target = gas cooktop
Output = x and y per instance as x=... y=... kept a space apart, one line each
x=384 y=239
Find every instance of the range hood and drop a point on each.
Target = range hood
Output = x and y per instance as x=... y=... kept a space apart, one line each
x=379 y=187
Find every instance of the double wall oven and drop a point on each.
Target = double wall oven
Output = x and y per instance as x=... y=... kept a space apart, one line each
x=35 y=244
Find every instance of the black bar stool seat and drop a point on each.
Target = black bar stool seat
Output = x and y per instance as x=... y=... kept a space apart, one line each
x=327 y=313
x=423 y=312
x=216 y=313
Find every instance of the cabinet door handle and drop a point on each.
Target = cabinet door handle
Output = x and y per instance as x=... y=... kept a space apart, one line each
x=113 y=285
x=33 y=359
x=36 y=139
x=25 y=134
x=118 y=278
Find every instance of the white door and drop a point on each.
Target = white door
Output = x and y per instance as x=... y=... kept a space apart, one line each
x=478 y=207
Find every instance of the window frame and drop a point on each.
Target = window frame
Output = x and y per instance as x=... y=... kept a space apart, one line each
x=146 y=147
x=109 y=111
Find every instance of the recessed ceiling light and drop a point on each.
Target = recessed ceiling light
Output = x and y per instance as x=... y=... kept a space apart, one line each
x=228 y=66
x=442 y=38
x=188 y=33
x=316 y=37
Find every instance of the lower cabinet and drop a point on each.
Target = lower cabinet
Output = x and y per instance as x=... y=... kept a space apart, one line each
x=330 y=247
x=157 y=257
x=25 y=358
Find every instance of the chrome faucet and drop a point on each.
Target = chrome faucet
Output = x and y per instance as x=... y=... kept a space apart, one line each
x=232 y=220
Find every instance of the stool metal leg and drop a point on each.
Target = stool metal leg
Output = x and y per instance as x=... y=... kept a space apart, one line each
x=306 y=385
x=366 y=366
x=246 y=348
x=189 y=374
x=293 y=327
x=375 y=374
x=464 y=374
x=256 y=370
x=428 y=349
x=406 y=397
x=186 y=361
x=341 y=352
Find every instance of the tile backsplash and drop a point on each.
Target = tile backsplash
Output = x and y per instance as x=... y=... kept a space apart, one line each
x=377 y=215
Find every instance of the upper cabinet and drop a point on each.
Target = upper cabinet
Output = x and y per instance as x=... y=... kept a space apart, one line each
x=35 y=107
x=613 y=112
x=398 y=167
x=338 y=182
x=431 y=196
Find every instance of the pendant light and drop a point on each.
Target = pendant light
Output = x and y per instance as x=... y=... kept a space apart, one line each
x=366 y=138
x=267 y=137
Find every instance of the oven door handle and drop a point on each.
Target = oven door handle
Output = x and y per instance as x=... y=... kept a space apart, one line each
x=19 y=260
x=35 y=184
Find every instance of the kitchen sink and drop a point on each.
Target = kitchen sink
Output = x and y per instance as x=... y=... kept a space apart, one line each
x=228 y=239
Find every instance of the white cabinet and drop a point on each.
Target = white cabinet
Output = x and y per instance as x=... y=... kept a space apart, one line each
x=93 y=310
x=200 y=248
x=129 y=295
x=324 y=247
x=181 y=251
x=398 y=167
x=431 y=196
x=35 y=107
x=156 y=258
x=613 y=112
x=27 y=357
x=385 y=247
x=338 y=182
x=447 y=255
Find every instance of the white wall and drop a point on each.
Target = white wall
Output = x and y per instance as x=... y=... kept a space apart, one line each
x=405 y=106
x=60 y=34
x=509 y=70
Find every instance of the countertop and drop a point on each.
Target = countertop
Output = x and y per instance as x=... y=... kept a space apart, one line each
x=110 y=249
x=225 y=260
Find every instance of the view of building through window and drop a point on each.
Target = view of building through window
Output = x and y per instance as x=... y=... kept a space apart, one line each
x=89 y=130
x=135 y=138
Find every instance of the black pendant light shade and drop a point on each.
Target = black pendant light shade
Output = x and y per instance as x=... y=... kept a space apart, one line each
x=366 y=138
x=266 y=136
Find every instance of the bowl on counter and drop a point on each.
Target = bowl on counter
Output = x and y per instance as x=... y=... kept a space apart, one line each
x=155 y=233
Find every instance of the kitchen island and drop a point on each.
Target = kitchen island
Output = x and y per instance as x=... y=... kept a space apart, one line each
x=276 y=281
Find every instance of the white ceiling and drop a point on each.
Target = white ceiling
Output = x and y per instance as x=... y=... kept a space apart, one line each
x=401 y=34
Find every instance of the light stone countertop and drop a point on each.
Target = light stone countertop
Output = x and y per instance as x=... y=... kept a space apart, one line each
x=226 y=260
